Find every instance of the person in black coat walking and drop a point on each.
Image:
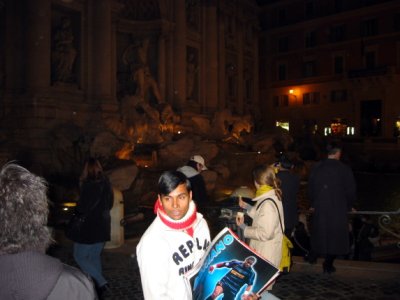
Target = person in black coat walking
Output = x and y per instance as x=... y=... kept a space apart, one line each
x=332 y=191
x=192 y=171
x=95 y=203
x=290 y=184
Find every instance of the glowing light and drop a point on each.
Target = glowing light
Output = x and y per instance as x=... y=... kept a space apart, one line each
x=125 y=152
x=339 y=127
x=291 y=91
x=350 y=130
x=284 y=125
x=327 y=131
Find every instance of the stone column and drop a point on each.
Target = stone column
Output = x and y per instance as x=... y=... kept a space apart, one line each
x=179 y=62
x=14 y=64
x=256 y=94
x=38 y=44
x=211 y=58
x=240 y=62
x=100 y=49
x=222 y=69
x=161 y=65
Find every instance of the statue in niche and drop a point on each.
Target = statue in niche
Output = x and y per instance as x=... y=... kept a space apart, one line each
x=191 y=74
x=149 y=121
x=141 y=73
x=64 y=52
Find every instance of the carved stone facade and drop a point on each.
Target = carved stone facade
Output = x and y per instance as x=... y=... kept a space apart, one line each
x=83 y=61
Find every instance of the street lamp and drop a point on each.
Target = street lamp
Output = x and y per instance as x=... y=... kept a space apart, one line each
x=293 y=96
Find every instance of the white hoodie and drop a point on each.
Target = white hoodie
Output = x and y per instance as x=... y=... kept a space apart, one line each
x=165 y=254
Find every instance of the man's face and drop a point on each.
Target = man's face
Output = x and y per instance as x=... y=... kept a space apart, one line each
x=248 y=263
x=200 y=167
x=176 y=203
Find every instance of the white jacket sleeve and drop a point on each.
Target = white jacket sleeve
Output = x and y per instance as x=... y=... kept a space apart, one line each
x=154 y=271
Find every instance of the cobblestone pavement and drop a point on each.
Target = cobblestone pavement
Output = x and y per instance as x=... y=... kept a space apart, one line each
x=353 y=280
x=317 y=286
x=120 y=269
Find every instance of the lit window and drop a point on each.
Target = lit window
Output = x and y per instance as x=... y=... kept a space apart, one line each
x=284 y=125
x=327 y=131
x=350 y=130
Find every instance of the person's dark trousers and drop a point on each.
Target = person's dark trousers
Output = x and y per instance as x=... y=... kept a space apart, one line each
x=311 y=257
x=328 y=264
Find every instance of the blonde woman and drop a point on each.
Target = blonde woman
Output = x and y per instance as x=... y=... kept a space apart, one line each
x=265 y=233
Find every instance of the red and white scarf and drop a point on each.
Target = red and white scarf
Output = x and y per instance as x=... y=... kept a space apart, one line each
x=185 y=224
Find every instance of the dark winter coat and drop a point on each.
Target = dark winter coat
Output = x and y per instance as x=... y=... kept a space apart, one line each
x=290 y=184
x=332 y=192
x=199 y=192
x=36 y=276
x=97 y=226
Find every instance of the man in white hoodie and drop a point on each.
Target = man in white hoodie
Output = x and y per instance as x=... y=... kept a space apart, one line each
x=175 y=241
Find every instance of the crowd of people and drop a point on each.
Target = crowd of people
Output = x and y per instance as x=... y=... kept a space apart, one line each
x=178 y=237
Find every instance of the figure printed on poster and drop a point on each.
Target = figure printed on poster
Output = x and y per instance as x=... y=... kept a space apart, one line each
x=230 y=270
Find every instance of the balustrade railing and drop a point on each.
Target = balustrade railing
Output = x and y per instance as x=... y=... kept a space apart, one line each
x=385 y=218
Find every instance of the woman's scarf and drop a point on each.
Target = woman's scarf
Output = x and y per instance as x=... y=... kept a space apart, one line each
x=263 y=189
x=185 y=224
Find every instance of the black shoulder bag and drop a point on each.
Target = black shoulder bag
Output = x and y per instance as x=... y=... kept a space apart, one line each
x=75 y=224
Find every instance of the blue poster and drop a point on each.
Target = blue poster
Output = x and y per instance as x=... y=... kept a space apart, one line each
x=230 y=269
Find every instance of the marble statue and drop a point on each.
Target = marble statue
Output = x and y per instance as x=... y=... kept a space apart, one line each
x=64 y=52
x=141 y=73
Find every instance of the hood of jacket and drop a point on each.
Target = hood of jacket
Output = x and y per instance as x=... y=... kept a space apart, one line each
x=188 y=171
x=28 y=275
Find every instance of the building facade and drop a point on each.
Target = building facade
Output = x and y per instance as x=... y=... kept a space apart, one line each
x=331 y=66
x=66 y=66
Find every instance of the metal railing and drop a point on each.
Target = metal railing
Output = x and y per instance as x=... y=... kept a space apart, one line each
x=384 y=220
